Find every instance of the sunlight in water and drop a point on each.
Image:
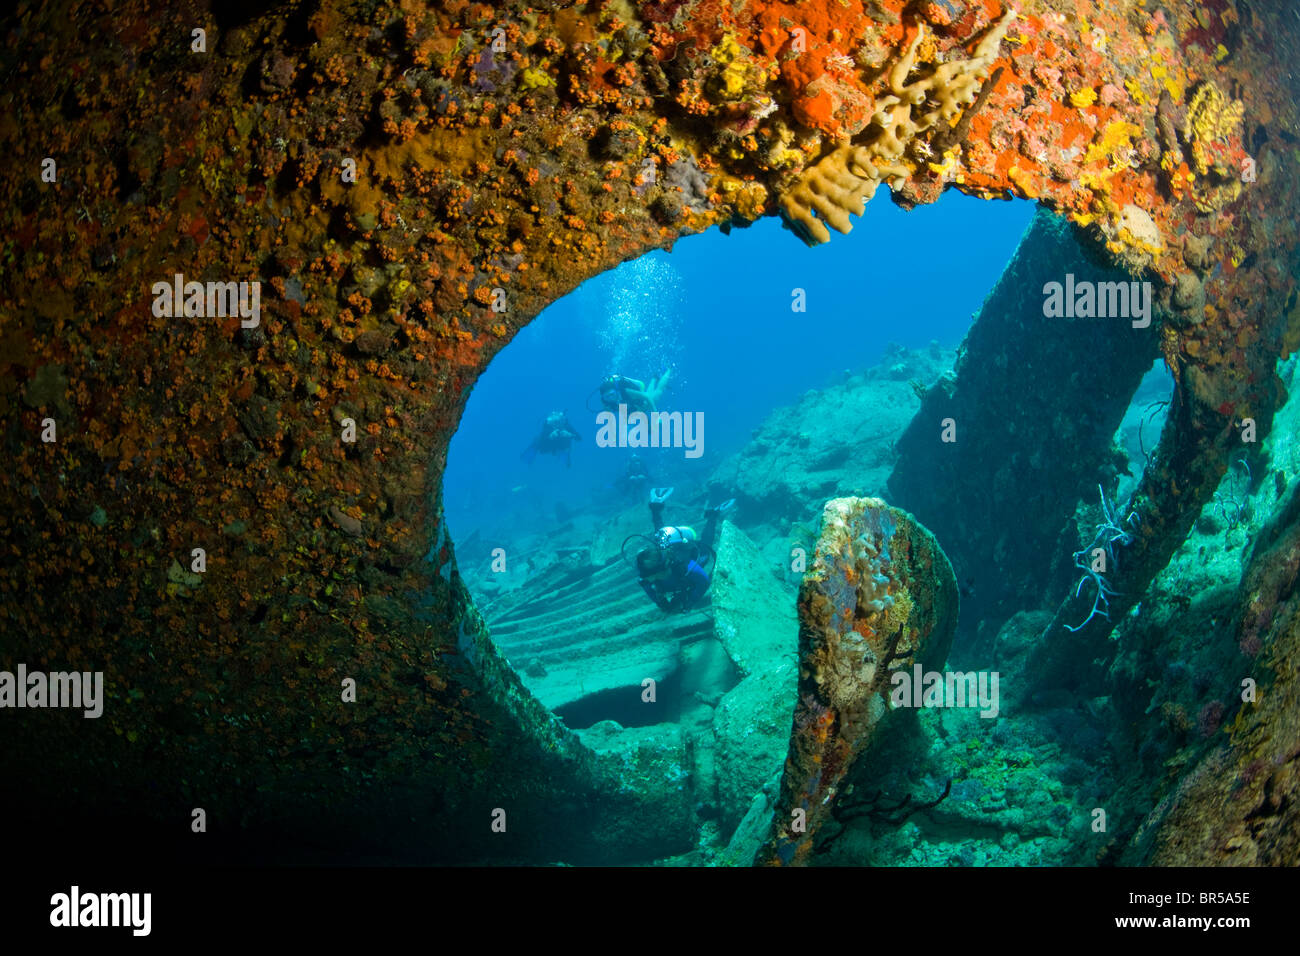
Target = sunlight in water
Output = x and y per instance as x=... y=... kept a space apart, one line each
x=637 y=315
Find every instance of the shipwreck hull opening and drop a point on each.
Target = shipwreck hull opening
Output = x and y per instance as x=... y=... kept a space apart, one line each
x=1064 y=353
x=553 y=579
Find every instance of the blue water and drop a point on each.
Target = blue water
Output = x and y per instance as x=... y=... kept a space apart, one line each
x=717 y=312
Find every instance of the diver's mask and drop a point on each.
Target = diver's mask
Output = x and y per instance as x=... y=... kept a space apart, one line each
x=652 y=564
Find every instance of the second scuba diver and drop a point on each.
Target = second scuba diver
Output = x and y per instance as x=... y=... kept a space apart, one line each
x=557 y=437
x=636 y=395
x=672 y=570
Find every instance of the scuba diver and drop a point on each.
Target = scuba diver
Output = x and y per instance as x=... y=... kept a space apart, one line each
x=557 y=436
x=672 y=569
x=636 y=476
x=636 y=395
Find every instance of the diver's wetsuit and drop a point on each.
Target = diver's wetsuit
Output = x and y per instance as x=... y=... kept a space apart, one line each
x=556 y=437
x=619 y=389
x=636 y=395
x=635 y=477
x=686 y=581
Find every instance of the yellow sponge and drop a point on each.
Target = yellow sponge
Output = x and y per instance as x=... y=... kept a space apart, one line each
x=839 y=184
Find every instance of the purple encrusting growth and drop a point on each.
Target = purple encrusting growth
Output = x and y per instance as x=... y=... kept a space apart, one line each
x=691 y=180
x=490 y=74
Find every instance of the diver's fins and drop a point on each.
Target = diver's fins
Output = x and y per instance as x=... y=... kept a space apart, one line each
x=717 y=511
x=655 y=388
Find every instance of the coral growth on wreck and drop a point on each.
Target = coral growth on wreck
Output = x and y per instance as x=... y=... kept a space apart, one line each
x=412 y=183
x=842 y=181
x=879 y=597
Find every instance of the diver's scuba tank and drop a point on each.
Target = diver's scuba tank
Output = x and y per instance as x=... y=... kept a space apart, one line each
x=681 y=541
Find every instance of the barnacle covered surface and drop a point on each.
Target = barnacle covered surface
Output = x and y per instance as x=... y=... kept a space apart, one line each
x=880 y=596
x=497 y=147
